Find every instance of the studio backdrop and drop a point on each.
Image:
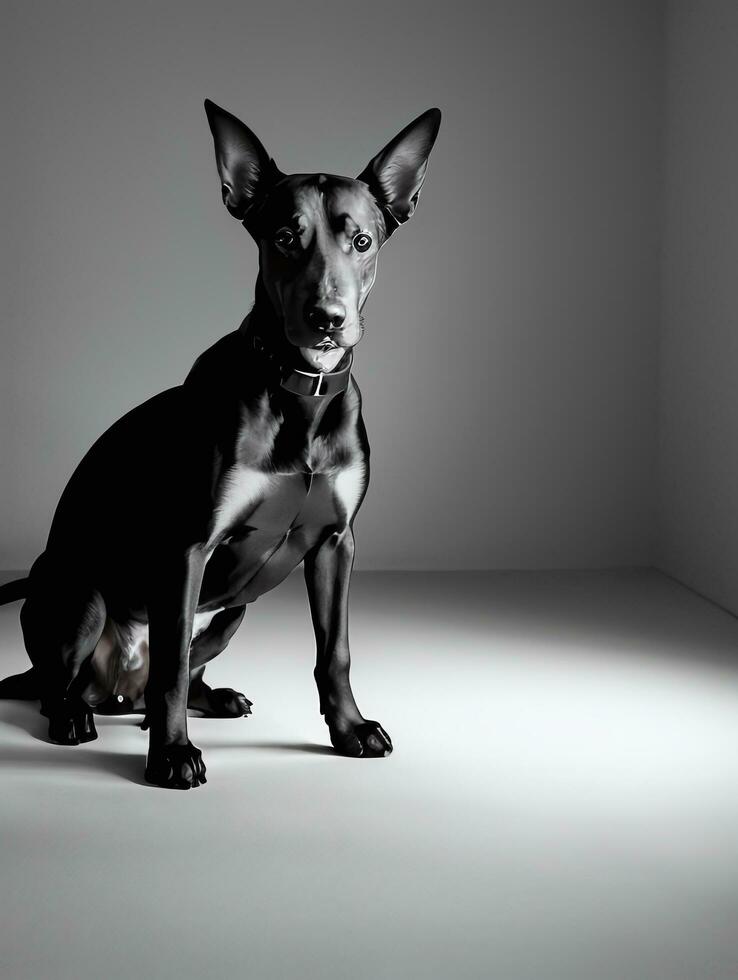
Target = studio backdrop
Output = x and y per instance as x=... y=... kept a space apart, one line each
x=508 y=367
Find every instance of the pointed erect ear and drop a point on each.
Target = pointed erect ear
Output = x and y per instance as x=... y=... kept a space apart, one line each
x=396 y=174
x=246 y=169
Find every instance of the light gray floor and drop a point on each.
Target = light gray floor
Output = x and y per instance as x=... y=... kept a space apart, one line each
x=562 y=802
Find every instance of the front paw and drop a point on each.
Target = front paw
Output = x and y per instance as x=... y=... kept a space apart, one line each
x=175 y=766
x=362 y=740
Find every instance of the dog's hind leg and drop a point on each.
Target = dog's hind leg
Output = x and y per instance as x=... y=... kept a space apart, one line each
x=61 y=628
x=221 y=702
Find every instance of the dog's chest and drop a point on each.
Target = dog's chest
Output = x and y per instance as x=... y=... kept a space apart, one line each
x=272 y=507
x=270 y=533
x=269 y=503
x=279 y=478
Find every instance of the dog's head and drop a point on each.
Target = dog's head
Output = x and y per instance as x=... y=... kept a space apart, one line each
x=319 y=235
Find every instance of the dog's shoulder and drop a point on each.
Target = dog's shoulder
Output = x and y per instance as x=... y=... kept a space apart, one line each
x=218 y=363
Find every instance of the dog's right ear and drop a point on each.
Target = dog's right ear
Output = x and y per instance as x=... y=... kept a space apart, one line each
x=246 y=169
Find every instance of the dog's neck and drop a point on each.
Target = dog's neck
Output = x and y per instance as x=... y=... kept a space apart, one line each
x=264 y=334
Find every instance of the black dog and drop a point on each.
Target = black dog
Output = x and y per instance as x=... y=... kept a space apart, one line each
x=258 y=462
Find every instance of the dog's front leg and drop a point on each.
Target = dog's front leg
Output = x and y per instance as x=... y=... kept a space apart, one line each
x=327 y=575
x=173 y=761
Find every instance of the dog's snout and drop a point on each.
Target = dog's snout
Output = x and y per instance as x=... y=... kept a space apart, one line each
x=326 y=317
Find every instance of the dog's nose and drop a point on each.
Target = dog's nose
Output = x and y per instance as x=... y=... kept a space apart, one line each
x=325 y=317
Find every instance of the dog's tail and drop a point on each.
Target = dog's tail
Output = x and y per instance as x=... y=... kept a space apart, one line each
x=12 y=591
x=24 y=686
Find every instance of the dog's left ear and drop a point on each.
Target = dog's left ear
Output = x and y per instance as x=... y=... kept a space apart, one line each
x=396 y=174
x=246 y=169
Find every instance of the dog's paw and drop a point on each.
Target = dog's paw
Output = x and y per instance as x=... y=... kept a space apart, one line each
x=175 y=766
x=71 y=723
x=220 y=702
x=365 y=740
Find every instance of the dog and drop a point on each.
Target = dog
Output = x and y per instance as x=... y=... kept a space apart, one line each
x=258 y=462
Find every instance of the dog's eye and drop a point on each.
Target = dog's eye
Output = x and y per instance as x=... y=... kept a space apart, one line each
x=285 y=238
x=362 y=242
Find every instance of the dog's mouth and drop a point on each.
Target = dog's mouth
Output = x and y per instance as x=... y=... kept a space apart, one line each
x=323 y=356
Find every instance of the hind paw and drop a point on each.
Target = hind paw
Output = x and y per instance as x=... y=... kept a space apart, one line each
x=221 y=702
x=71 y=723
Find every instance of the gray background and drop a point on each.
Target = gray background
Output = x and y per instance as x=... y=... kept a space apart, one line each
x=698 y=404
x=550 y=361
x=508 y=369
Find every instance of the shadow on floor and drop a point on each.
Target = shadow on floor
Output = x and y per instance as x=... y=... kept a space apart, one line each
x=73 y=758
x=311 y=748
x=42 y=753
